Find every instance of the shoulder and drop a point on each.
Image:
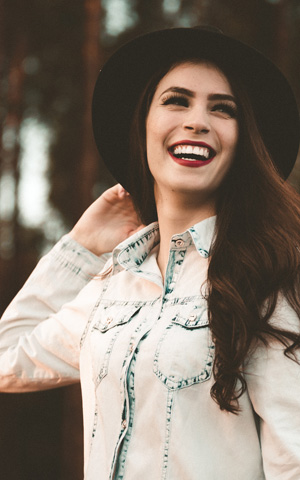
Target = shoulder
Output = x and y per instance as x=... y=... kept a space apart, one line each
x=267 y=356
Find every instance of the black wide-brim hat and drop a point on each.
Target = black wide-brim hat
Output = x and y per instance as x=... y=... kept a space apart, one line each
x=125 y=75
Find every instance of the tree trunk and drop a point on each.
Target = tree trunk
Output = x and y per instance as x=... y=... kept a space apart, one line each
x=72 y=467
x=87 y=173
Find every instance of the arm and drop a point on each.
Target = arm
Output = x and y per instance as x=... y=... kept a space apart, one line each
x=274 y=388
x=107 y=222
x=40 y=331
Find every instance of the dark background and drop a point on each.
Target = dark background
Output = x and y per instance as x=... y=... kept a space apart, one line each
x=50 y=54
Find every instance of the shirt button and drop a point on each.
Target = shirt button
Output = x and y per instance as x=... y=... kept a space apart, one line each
x=131 y=348
x=203 y=253
x=192 y=318
x=179 y=243
x=124 y=424
x=109 y=320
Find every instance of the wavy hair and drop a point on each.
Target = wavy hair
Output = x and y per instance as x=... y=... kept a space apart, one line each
x=255 y=255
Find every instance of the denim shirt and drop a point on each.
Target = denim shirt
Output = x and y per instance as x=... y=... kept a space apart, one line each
x=144 y=354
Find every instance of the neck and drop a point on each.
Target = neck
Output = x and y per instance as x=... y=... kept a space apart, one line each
x=175 y=215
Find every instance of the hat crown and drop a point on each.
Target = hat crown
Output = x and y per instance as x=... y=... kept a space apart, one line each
x=208 y=28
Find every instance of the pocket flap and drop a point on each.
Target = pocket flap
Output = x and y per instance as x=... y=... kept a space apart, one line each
x=195 y=317
x=115 y=315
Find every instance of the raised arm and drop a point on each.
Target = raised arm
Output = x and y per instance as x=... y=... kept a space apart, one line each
x=107 y=222
x=40 y=330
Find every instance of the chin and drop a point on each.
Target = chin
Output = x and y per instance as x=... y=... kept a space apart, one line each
x=191 y=189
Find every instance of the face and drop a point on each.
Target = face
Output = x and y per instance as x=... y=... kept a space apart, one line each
x=191 y=131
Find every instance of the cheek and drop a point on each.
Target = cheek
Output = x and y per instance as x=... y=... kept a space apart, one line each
x=232 y=146
x=150 y=132
x=230 y=139
x=155 y=134
x=154 y=125
x=151 y=143
x=160 y=124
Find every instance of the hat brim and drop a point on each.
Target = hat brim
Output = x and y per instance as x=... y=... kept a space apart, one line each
x=124 y=76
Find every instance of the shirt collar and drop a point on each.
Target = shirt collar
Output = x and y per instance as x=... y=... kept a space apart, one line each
x=132 y=252
x=203 y=234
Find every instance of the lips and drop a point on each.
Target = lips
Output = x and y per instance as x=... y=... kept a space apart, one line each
x=192 y=154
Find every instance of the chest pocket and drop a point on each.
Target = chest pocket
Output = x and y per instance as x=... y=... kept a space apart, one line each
x=184 y=355
x=109 y=321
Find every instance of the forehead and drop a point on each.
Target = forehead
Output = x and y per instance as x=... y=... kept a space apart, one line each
x=195 y=75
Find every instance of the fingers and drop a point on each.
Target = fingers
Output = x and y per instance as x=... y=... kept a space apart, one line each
x=122 y=192
x=116 y=190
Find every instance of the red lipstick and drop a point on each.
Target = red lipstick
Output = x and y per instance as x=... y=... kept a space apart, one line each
x=189 y=159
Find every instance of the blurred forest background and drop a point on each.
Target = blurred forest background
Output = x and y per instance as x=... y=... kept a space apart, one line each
x=50 y=54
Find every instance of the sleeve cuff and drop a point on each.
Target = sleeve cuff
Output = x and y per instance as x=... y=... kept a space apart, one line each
x=76 y=258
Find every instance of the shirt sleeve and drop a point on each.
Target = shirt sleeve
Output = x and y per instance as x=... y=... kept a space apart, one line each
x=40 y=330
x=273 y=382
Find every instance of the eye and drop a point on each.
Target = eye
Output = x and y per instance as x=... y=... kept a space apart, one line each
x=175 y=99
x=228 y=110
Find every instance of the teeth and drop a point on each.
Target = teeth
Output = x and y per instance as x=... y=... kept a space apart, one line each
x=191 y=149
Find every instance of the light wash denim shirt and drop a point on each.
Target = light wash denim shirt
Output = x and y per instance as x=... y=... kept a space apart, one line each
x=144 y=354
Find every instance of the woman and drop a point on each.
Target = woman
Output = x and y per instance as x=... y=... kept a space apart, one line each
x=189 y=338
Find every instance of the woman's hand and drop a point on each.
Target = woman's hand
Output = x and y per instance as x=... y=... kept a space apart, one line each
x=108 y=221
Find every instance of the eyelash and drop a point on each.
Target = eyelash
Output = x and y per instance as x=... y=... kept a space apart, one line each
x=180 y=100
x=176 y=99
x=228 y=108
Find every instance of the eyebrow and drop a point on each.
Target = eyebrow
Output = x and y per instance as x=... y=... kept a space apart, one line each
x=191 y=94
x=181 y=90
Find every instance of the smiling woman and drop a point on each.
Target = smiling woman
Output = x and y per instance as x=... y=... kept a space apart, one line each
x=188 y=340
x=198 y=115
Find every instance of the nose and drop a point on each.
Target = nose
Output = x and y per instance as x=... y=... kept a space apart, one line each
x=197 y=120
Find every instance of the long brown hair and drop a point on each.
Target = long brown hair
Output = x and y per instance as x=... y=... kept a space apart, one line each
x=255 y=255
